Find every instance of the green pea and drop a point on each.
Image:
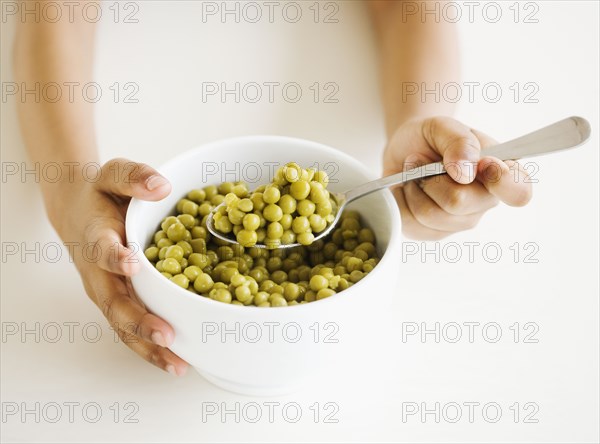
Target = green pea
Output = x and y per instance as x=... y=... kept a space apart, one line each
x=200 y=260
x=240 y=190
x=243 y=293
x=257 y=201
x=271 y=195
x=223 y=224
x=181 y=280
x=190 y=208
x=350 y=223
x=277 y=300
x=160 y=234
x=236 y=216
x=354 y=263
x=325 y=293
x=203 y=283
x=300 y=190
x=151 y=253
x=318 y=282
x=223 y=295
x=300 y=224
x=305 y=208
x=261 y=297
x=251 y=222
x=324 y=208
x=167 y=275
x=192 y=272
x=274 y=230
x=225 y=187
x=197 y=196
x=225 y=253
x=187 y=220
x=317 y=223
x=198 y=245
x=210 y=191
x=326 y=272
x=176 y=232
x=159 y=266
x=288 y=237
x=245 y=205
x=287 y=204
x=175 y=252
x=166 y=223
x=321 y=177
x=350 y=244
x=258 y=274
x=279 y=276
x=366 y=235
x=356 y=276
x=247 y=238
x=204 y=209
x=186 y=247
x=292 y=172
x=291 y=292
x=171 y=265
x=199 y=233
x=305 y=238
x=361 y=254
x=272 y=213
x=318 y=194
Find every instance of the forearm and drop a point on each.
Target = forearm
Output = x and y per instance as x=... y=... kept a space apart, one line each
x=63 y=131
x=413 y=54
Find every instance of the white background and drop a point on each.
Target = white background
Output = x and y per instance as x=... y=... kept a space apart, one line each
x=169 y=53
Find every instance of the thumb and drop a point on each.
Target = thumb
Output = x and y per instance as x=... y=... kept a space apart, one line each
x=126 y=178
x=457 y=144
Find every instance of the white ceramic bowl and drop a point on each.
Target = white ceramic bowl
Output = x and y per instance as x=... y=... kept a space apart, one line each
x=265 y=351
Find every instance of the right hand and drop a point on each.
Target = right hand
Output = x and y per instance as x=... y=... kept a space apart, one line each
x=93 y=214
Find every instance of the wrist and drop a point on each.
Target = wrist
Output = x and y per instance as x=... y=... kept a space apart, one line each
x=59 y=198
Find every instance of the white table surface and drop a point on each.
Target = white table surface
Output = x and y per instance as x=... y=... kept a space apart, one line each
x=169 y=53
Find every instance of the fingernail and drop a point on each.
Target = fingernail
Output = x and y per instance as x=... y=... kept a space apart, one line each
x=158 y=338
x=171 y=369
x=155 y=182
x=468 y=166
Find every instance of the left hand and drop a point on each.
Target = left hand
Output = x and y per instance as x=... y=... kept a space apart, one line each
x=439 y=206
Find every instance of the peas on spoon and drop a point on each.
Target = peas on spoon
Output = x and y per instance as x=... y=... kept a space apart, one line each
x=306 y=195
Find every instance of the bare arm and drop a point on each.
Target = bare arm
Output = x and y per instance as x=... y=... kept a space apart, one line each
x=412 y=51
x=88 y=212
x=59 y=132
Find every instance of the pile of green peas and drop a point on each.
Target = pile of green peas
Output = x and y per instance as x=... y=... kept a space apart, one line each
x=289 y=210
x=184 y=251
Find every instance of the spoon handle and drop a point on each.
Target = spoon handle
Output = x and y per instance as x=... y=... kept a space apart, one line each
x=564 y=134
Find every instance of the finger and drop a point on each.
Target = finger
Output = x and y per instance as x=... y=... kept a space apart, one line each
x=456 y=198
x=411 y=228
x=105 y=238
x=430 y=215
x=159 y=356
x=124 y=313
x=457 y=144
x=123 y=177
x=505 y=180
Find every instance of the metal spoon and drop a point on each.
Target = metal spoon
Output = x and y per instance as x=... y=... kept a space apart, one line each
x=564 y=134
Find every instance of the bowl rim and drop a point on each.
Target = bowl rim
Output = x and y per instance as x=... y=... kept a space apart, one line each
x=135 y=203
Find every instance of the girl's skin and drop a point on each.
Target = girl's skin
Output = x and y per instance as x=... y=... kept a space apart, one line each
x=84 y=212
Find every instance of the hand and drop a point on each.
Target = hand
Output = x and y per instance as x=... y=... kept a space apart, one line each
x=91 y=215
x=439 y=206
